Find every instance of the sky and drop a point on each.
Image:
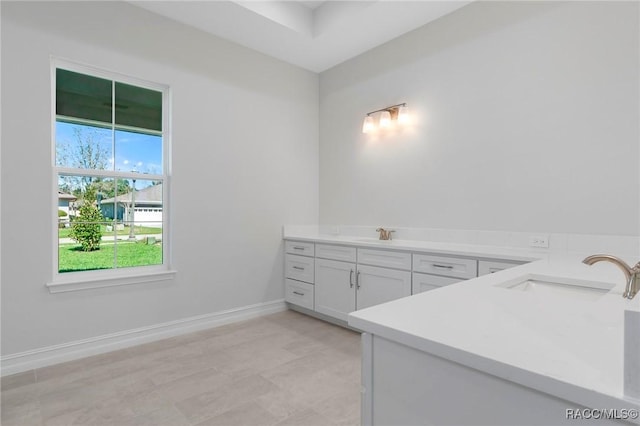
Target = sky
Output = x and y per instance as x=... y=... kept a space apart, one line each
x=130 y=151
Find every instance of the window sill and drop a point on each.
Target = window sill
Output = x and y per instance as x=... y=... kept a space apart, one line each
x=64 y=286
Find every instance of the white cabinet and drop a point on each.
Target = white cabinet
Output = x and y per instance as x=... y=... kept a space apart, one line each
x=334 y=252
x=486 y=267
x=302 y=248
x=336 y=279
x=343 y=287
x=403 y=385
x=299 y=268
x=299 y=273
x=335 y=292
x=378 y=285
x=431 y=272
x=425 y=282
x=384 y=258
x=447 y=266
x=299 y=293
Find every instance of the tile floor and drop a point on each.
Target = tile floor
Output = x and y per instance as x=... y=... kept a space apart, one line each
x=280 y=369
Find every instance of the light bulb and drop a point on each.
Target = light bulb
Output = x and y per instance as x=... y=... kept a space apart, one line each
x=368 y=126
x=403 y=115
x=385 y=119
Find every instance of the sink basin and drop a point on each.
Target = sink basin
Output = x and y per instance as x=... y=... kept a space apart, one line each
x=549 y=286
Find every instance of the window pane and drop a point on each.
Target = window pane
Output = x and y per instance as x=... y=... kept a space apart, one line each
x=83 y=147
x=85 y=233
x=83 y=96
x=138 y=107
x=142 y=219
x=138 y=152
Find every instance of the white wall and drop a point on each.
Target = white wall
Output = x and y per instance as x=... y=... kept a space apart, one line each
x=527 y=120
x=245 y=154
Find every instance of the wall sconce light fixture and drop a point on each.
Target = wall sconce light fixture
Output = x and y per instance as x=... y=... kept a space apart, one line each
x=399 y=113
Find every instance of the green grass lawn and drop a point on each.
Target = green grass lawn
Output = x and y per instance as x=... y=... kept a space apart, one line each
x=138 y=230
x=72 y=258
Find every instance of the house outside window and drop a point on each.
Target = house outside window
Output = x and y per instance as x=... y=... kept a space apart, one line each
x=111 y=148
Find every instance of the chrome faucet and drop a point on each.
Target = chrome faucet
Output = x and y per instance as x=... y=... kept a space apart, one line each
x=384 y=233
x=632 y=274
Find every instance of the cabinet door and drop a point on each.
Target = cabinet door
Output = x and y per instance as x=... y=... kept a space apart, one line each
x=378 y=285
x=426 y=282
x=335 y=288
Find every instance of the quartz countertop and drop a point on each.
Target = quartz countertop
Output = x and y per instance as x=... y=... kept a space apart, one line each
x=454 y=249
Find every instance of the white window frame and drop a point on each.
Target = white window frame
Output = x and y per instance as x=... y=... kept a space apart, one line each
x=83 y=280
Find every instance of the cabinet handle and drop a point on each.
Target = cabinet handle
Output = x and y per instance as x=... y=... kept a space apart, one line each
x=298 y=293
x=298 y=248
x=299 y=268
x=351 y=279
x=435 y=265
x=358 y=280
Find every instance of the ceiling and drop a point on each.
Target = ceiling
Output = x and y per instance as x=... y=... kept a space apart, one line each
x=315 y=35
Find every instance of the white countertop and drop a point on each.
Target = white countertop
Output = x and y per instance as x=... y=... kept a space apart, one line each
x=567 y=347
x=455 y=249
x=570 y=348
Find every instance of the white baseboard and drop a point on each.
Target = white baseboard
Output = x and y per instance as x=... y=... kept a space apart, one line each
x=50 y=355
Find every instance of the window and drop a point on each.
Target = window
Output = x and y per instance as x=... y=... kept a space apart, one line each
x=110 y=137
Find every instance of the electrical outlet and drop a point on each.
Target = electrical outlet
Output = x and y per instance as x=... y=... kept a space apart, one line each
x=541 y=241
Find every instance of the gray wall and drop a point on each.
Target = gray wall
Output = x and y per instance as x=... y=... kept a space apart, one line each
x=526 y=114
x=244 y=125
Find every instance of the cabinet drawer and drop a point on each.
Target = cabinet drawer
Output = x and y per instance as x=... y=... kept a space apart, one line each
x=299 y=247
x=385 y=258
x=486 y=267
x=425 y=282
x=299 y=268
x=444 y=265
x=298 y=293
x=343 y=253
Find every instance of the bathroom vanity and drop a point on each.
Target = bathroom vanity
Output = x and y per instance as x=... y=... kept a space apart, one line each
x=469 y=334
x=332 y=276
x=535 y=344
